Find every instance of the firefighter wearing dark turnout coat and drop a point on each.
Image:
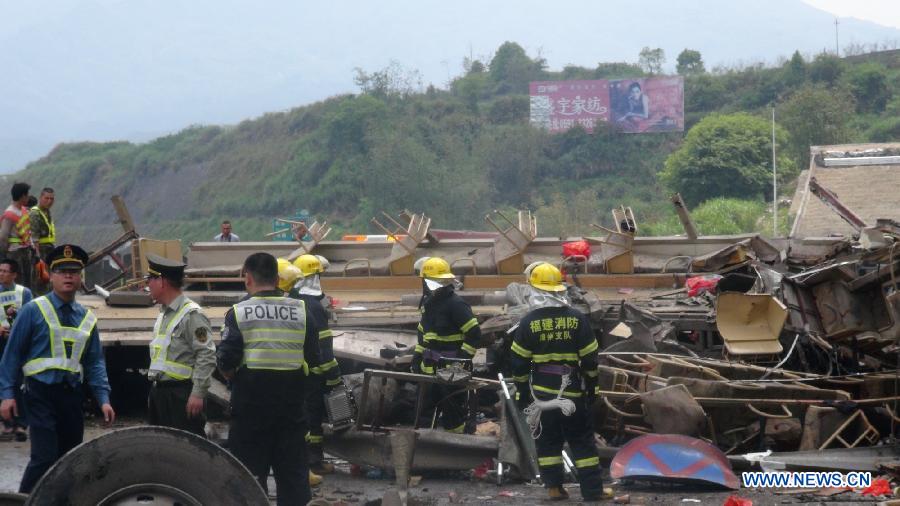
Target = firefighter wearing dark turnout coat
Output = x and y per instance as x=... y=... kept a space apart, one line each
x=326 y=376
x=269 y=342
x=555 y=370
x=447 y=330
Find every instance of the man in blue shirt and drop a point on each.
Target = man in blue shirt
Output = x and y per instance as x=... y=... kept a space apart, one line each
x=12 y=297
x=53 y=347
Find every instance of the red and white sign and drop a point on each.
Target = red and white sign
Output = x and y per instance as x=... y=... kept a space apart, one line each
x=560 y=105
x=651 y=104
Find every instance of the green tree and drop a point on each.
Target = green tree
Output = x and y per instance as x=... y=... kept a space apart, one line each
x=391 y=81
x=869 y=84
x=725 y=155
x=617 y=70
x=472 y=88
x=884 y=130
x=826 y=68
x=512 y=157
x=703 y=92
x=652 y=60
x=795 y=70
x=690 y=62
x=816 y=116
x=511 y=69
x=509 y=109
x=348 y=127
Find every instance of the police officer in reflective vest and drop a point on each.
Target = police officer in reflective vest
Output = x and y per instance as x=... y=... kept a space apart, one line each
x=326 y=376
x=12 y=297
x=447 y=330
x=555 y=369
x=269 y=342
x=55 y=345
x=182 y=353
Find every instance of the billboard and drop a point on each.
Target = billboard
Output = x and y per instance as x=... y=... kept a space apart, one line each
x=559 y=105
x=648 y=104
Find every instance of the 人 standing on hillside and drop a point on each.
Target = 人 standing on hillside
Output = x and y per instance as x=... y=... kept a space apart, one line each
x=15 y=233
x=43 y=230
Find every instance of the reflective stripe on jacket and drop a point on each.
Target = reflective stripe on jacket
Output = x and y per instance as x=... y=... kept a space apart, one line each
x=274 y=330
x=51 y=228
x=162 y=338
x=13 y=297
x=60 y=336
x=22 y=222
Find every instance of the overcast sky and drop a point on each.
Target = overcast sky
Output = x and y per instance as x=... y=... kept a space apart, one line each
x=74 y=70
x=884 y=12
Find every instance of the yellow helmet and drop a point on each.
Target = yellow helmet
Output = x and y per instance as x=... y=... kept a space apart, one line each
x=309 y=265
x=287 y=275
x=546 y=277
x=436 y=268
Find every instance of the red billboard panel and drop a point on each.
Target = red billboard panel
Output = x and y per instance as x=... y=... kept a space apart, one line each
x=652 y=104
x=560 y=105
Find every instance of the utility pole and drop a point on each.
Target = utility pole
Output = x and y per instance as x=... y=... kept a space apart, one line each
x=837 y=50
x=774 y=183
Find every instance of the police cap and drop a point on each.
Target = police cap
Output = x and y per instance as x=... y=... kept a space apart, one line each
x=164 y=267
x=67 y=257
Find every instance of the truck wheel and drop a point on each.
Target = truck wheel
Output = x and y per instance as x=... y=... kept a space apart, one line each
x=147 y=466
x=12 y=499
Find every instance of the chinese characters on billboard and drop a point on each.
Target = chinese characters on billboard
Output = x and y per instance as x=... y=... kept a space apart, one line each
x=559 y=105
x=651 y=104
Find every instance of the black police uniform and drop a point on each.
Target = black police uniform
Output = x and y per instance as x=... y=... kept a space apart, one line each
x=323 y=378
x=549 y=343
x=268 y=427
x=447 y=329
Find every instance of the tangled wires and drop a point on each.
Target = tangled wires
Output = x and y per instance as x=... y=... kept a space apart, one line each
x=533 y=411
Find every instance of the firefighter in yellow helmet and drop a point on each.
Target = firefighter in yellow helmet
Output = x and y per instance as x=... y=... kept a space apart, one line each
x=326 y=376
x=554 y=354
x=447 y=331
x=287 y=275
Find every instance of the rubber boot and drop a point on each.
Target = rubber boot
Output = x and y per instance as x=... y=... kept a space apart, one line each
x=557 y=493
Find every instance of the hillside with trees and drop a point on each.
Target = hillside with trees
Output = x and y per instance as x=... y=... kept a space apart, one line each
x=457 y=153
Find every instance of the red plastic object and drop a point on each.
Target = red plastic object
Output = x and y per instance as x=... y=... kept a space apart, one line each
x=734 y=500
x=878 y=487
x=574 y=248
x=699 y=284
x=481 y=471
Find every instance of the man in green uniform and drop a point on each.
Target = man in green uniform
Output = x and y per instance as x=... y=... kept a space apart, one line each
x=447 y=330
x=554 y=365
x=182 y=353
x=43 y=232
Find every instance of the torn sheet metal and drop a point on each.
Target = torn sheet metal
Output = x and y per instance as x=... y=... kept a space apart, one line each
x=869 y=458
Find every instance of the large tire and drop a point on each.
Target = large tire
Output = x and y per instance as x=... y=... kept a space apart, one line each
x=12 y=499
x=156 y=465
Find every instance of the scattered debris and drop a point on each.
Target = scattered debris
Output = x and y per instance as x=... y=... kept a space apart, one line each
x=878 y=488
